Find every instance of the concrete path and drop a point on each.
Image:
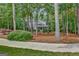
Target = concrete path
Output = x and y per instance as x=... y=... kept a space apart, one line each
x=1 y=54
x=53 y=47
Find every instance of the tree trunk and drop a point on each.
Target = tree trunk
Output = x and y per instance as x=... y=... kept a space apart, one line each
x=57 y=31
x=78 y=18
x=63 y=21
x=67 y=21
x=36 y=24
x=75 y=20
x=14 y=22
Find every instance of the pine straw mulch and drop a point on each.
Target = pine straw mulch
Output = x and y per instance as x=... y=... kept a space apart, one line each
x=4 y=32
x=50 y=38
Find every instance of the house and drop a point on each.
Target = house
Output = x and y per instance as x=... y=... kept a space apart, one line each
x=41 y=22
x=34 y=24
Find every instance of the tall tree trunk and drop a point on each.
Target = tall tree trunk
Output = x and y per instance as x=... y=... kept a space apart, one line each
x=66 y=20
x=57 y=31
x=36 y=24
x=30 y=18
x=48 y=22
x=14 y=22
x=78 y=18
x=63 y=21
x=75 y=20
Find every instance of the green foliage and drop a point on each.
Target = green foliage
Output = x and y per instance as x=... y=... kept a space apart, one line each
x=20 y=35
x=25 y=10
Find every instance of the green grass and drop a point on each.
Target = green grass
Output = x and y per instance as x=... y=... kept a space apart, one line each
x=28 y=52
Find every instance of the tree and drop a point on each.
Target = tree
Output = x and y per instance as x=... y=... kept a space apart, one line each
x=67 y=20
x=14 y=21
x=57 y=31
x=78 y=18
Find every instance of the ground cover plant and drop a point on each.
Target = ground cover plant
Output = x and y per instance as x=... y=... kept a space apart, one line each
x=20 y=35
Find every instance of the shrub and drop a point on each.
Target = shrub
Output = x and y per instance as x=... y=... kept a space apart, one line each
x=20 y=35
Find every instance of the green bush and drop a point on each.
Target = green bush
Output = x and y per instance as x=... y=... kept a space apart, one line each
x=20 y=35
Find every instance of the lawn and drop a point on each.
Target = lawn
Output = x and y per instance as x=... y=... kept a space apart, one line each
x=28 y=52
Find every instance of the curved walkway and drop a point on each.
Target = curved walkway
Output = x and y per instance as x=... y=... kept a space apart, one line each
x=53 y=47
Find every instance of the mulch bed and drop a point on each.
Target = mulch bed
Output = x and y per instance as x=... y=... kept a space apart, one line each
x=47 y=37
x=50 y=38
x=4 y=32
